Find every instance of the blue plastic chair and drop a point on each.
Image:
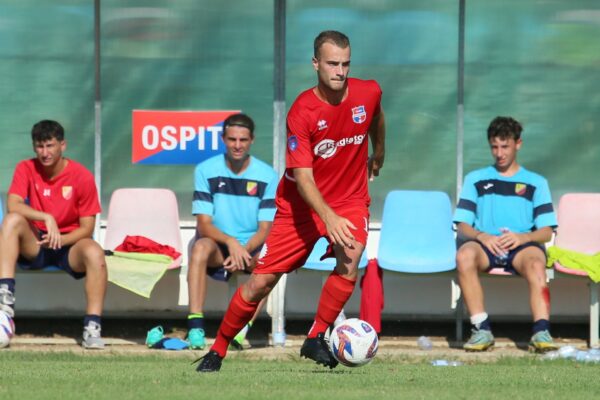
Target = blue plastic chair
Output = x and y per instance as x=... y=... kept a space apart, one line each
x=416 y=233
x=417 y=237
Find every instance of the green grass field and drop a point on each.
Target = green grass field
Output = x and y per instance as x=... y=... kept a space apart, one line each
x=62 y=375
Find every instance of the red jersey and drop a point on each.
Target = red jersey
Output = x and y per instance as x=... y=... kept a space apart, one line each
x=67 y=197
x=333 y=141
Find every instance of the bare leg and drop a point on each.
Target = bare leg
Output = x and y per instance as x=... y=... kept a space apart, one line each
x=470 y=260
x=87 y=256
x=205 y=252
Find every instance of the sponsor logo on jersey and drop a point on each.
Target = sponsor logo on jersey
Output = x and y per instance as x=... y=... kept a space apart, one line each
x=251 y=188
x=322 y=124
x=67 y=192
x=292 y=143
x=520 y=189
x=359 y=115
x=327 y=147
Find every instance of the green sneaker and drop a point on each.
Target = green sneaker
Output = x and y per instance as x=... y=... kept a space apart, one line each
x=154 y=336
x=541 y=342
x=196 y=339
x=238 y=341
x=481 y=340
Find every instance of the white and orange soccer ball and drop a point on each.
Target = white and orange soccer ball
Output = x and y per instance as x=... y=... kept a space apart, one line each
x=7 y=329
x=353 y=342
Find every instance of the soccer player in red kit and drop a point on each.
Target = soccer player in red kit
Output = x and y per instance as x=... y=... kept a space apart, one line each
x=322 y=193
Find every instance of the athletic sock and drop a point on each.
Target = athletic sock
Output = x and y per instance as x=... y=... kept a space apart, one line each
x=92 y=317
x=335 y=293
x=10 y=283
x=481 y=321
x=195 y=321
x=236 y=317
x=541 y=325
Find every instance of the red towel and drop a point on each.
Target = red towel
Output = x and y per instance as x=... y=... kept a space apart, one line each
x=371 y=299
x=141 y=244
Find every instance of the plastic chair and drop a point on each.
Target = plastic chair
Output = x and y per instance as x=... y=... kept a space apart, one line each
x=153 y=213
x=579 y=230
x=417 y=237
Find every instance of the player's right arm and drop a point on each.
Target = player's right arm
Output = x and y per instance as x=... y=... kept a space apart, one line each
x=238 y=258
x=339 y=229
x=16 y=204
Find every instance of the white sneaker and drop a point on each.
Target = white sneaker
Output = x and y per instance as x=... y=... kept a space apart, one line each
x=91 y=336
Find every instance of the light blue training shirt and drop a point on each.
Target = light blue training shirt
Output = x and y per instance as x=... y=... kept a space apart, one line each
x=489 y=201
x=236 y=202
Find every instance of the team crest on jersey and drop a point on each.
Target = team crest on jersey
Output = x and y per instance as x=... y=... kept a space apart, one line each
x=292 y=143
x=67 y=192
x=359 y=115
x=520 y=189
x=251 y=188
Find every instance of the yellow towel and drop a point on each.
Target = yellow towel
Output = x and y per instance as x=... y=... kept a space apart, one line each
x=575 y=260
x=137 y=272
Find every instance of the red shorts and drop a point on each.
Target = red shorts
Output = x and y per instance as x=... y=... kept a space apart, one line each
x=292 y=239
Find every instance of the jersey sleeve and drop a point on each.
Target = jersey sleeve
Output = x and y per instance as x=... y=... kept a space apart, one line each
x=467 y=204
x=87 y=201
x=203 y=199
x=266 y=207
x=20 y=181
x=543 y=211
x=298 y=153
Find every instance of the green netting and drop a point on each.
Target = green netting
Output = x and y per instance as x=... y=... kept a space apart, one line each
x=535 y=61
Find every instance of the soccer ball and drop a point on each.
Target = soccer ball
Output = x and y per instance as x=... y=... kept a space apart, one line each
x=353 y=342
x=7 y=329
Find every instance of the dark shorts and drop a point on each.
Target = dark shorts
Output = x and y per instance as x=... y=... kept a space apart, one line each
x=220 y=273
x=506 y=264
x=51 y=258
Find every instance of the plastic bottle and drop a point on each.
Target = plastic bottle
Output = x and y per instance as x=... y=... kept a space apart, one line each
x=551 y=355
x=567 y=352
x=424 y=343
x=502 y=259
x=446 y=363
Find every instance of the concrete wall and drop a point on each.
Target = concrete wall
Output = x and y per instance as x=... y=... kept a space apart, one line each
x=406 y=296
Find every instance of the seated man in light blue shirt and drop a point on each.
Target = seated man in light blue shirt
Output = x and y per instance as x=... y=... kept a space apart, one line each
x=504 y=217
x=234 y=207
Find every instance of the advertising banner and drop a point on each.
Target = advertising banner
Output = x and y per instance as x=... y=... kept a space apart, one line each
x=176 y=137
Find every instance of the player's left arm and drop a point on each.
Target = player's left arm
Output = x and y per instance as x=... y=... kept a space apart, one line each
x=85 y=230
x=260 y=236
x=377 y=136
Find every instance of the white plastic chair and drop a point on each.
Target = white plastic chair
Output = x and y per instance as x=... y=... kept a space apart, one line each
x=579 y=230
x=153 y=213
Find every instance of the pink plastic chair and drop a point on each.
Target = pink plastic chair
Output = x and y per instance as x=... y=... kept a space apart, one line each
x=153 y=213
x=579 y=230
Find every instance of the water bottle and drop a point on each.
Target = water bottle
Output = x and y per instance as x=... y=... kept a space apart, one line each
x=424 y=343
x=567 y=352
x=446 y=363
x=551 y=355
x=502 y=259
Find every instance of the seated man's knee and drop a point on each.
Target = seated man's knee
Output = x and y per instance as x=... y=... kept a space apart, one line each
x=94 y=254
x=466 y=259
x=13 y=221
x=536 y=271
x=201 y=251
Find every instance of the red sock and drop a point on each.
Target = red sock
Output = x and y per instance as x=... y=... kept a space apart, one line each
x=237 y=316
x=335 y=293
